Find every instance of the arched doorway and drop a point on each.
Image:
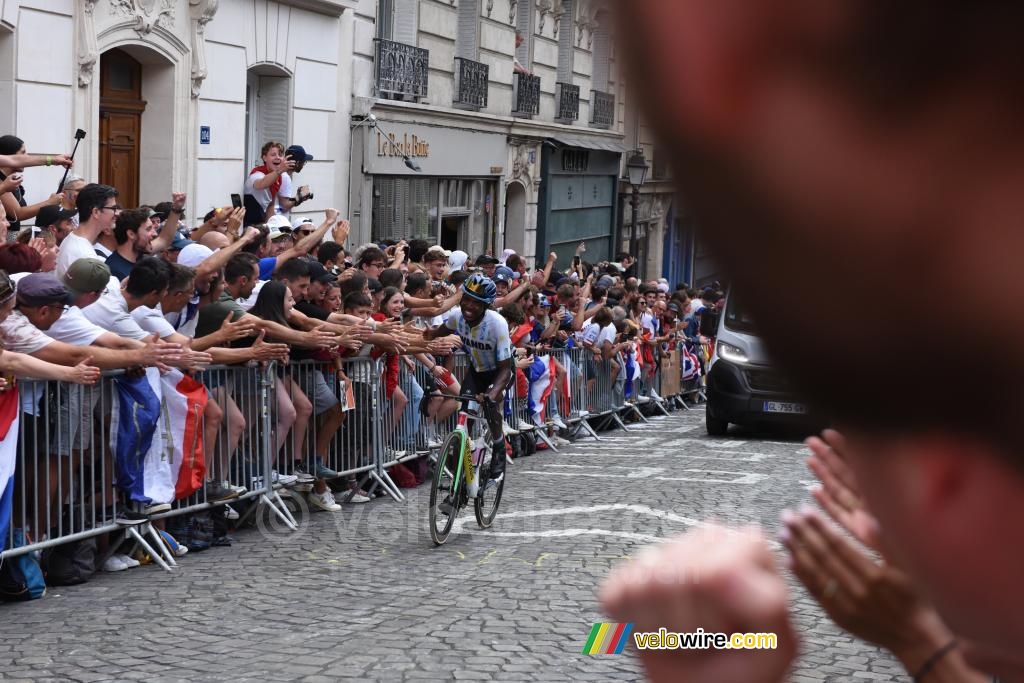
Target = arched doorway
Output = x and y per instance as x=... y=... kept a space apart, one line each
x=515 y=217
x=121 y=108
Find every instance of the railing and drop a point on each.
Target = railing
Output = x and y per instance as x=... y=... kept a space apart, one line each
x=602 y=109
x=401 y=69
x=525 y=95
x=113 y=458
x=567 y=99
x=471 y=80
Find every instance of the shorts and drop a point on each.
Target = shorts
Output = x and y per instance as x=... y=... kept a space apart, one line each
x=314 y=386
x=478 y=382
x=75 y=426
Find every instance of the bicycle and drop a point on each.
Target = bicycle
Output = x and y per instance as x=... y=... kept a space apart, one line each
x=462 y=463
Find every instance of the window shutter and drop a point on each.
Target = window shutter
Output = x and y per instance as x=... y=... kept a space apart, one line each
x=524 y=24
x=385 y=19
x=468 y=37
x=406 y=22
x=602 y=55
x=273 y=109
x=566 y=46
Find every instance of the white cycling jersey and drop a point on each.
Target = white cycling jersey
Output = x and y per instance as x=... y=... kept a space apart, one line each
x=487 y=344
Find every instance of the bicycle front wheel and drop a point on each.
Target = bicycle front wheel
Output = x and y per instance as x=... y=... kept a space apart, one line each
x=485 y=505
x=445 y=489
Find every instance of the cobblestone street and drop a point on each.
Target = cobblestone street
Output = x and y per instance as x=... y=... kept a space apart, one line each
x=363 y=594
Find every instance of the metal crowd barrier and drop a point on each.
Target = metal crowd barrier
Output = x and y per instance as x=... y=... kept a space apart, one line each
x=88 y=456
x=252 y=425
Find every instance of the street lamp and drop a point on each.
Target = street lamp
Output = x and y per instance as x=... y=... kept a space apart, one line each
x=636 y=171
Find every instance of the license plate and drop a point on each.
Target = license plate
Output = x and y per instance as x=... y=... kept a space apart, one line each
x=790 y=408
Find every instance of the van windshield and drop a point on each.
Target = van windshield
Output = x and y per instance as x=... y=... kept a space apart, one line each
x=738 y=318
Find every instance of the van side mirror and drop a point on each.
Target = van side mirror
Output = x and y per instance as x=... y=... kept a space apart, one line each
x=709 y=318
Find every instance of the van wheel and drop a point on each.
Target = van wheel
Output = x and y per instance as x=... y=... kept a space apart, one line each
x=715 y=426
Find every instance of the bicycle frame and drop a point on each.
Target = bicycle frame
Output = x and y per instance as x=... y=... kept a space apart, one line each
x=466 y=466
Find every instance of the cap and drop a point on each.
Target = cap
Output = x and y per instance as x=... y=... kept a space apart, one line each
x=278 y=234
x=605 y=281
x=86 y=275
x=279 y=222
x=299 y=222
x=506 y=271
x=194 y=254
x=317 y=273
x=180 y=241
x=458 y=259
x=42 y=289
x=674 y=307
x=436 y=253
x=486 y=260
x=663 y=287
x=544 y=301
x=501 y=277
x=51 y=213
x=298 y=152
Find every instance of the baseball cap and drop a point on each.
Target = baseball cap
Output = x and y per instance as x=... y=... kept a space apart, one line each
x=194 y=254
x=506 y=271
x=605 y=281
x=298 y=153
x=42 y=289
x=51 y=213
x=436 y=253
x=317 y=273
x=180 y=241
x=86 y=275
x=299 y=222
x=278 y=234
x=457 y=260
x=279 y=222
x=501 y=277
x=544 y=301
x=486 y=260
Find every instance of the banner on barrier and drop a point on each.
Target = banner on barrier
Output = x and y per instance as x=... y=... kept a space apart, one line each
x=670 y=374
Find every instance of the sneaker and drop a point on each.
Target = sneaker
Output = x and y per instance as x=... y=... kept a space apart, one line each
x=350 y=497
x=322 y=471
x=238 y=489
x=217 y=491
x=654 y=395
x=115 y=563
x=507 y=429
x=559 y=441
x=524 y=426
x=323 y=501
x=130 y=516
x=156 y=508
x=230 y=513
x=557 y=421
x=301 y=474
x=445 y=506
x=283 y=479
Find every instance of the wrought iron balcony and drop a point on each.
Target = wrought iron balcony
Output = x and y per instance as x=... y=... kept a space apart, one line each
x=602 y=109
x=525 y=95
x=401 y=70
x=471 y=83
x=567 y=98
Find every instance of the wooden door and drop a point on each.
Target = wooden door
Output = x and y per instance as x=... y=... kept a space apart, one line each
x=121 y=107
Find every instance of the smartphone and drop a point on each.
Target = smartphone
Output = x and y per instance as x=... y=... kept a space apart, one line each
x=236 y=201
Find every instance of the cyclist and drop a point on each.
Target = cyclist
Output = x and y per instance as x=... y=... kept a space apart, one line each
x=484 y=335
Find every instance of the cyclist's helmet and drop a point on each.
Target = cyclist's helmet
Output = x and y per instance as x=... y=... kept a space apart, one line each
x=480 y=287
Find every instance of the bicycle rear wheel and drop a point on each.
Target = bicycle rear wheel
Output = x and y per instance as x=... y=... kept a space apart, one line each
x=445 y=489
x=485 y=505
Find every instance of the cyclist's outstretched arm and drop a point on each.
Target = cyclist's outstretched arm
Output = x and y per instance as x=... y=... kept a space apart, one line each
x=437 y=332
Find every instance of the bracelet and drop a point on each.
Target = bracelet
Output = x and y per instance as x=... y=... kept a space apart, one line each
x=930 y=663
x=49 y=160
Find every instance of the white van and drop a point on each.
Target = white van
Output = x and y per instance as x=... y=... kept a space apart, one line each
x=743 y=386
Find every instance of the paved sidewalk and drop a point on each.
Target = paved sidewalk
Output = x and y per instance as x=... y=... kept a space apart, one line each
x=363 y=594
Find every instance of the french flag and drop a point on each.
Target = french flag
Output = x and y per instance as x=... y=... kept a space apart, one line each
x=184 y=403
x=137 y=440
x=9 y=412
x=539 y=374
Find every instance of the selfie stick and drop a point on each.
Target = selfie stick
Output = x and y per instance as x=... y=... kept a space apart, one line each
x=79 y=135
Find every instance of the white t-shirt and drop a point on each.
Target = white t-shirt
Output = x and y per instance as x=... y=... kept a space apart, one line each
x=263 y=196
x=102 y=250
x=246 y=304
x=607 y=334
x=590 y=333
x=152 y=320
x=111 y=313
x=74 y=328
x=649 y=322
x=71 y=249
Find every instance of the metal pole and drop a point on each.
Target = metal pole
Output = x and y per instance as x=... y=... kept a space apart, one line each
x=634 y=202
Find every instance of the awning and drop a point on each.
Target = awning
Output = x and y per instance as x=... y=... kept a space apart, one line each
x=588 y=143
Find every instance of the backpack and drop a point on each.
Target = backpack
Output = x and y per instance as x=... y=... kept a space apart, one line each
x=403 y=476
x=20 y=576
x=69 y=564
